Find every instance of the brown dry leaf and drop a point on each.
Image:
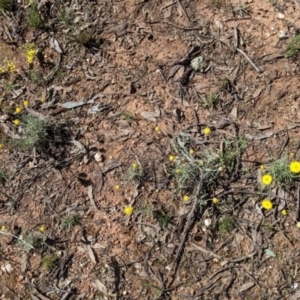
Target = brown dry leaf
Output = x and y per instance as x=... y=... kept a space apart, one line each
x=102 y=288
x=110 y=165
x=246 y=286
x=151 y=116
x=259 y=136
x=173 y=71
x=24 y=262
x=91 y=253
x=9 y=132
x=35 y=113
x=91 y=197
x=97 y=178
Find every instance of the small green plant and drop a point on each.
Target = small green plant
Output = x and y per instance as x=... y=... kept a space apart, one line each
x=211 y=100
x=186 y=174
x=128 y=117
x=35 y=132
x=10 y=86
x=241 y=9
x=162 y=217
x=28 y=240
x=34 y=76
x=216 y=3
x=70 y=221
x=226 y=223
x=135 y=173
x=293 y=47
x=154 y=288
x=49 y=262
x=34 y=17
x=3 y=175
x=280 y=171
x=82 y=38
x=5 y=5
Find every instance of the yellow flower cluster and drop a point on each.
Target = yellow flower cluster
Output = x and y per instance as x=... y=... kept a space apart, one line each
x=11 y=66
x=30 y=55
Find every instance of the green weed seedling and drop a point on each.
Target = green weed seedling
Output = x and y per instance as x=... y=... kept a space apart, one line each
x=71 y=221
x=49 y=262
x=3 y=176
x=162 y=217
x=34 y=17
x=293 y=47
x=241 y=9
x=226 y=223
x=211 y=100
x=135 y=174
x=216 y=3
x=280 y=171
x=35 y=132
x=5 y=5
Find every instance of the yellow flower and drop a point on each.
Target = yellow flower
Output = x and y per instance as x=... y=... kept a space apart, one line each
x=18 y=110
x=284 y=212
x=221 y=169
x=295 y=167
x=42 y=229
x=262 y=167
x=201 y=162
x=186 y=198
x=117 y=187
x=206 y=131
x=17 y=122
x=171 y=158
x=135 y=166
x=43 y=100
x=11 y=66
x=128 y=210
x=3 y=227
x=156 y=128
x=267 y=179
x=192 y=151
x=177 y=171
x=26 y=103
x=298 y=224
x=267 y=204
x=30 y=55
x=215 y=200
x=2 y=70
x=1 y=146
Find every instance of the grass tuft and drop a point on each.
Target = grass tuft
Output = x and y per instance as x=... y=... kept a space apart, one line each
x=35 y=133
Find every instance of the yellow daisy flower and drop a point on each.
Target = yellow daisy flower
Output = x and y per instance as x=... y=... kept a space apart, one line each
x=267 y=179
x=267 y=204
x=18 y=110
x=128 y=210
x=171 y=158
x=186 y=198
x=17 y=122
x=215 y=200
x=135 y=166
x=295 y=167
x=206 y=131
x=42 y=228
